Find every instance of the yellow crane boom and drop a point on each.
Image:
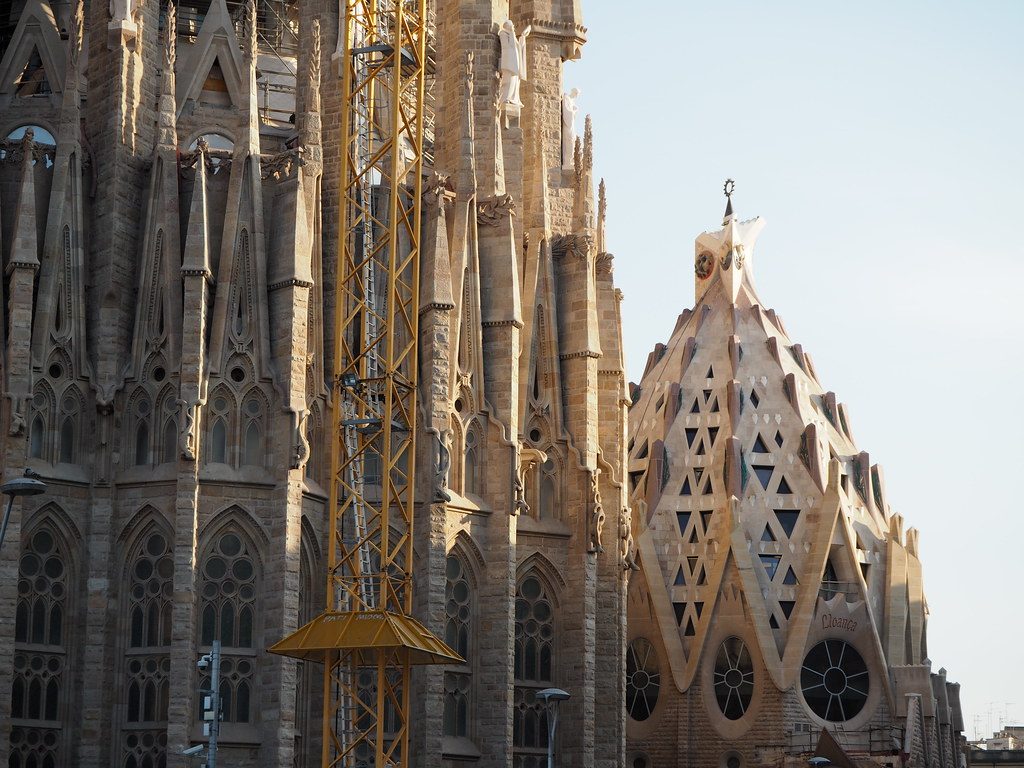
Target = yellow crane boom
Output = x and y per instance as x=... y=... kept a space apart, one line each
x=366 y=637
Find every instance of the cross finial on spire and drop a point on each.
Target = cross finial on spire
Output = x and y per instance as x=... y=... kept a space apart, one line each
x=729 y=187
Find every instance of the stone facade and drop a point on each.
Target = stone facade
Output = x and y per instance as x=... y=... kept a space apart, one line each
x=168 y=197
x=780 y=610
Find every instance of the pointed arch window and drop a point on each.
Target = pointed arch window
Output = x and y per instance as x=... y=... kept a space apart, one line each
x=228 y=612
x=143 y=412
x=471 y=472
x=306 y=721
x=547 y=496
x=38 y=441
x=145 y=687
x=252 y=444
x=458 y=679
x=41 y=680
x=220 y=417
x=533 y=669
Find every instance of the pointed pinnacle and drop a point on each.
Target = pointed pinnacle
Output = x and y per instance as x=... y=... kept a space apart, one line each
x=588 y=144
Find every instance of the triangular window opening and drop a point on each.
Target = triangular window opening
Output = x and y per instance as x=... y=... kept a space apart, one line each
x=707 y=395
x=773 y=623
x=702 y=579
x=759 y=446
x=764 y=474
x=679 y=608
x=783 y=486
x=695 y=408
x=705 y=519
x=711 y=372
x=712 y=434
x=714 y=406
x=771 y=564
x=215 y=78
x=707 y=490
x=689 y=632
x=698 y=473
x=691 y=435
x=685 y=490
x=787 y=607
x=680 y=578
x=694 y=537
x=642 y=453
x=787 y=519
x=700 y=449
x=768 y=535
x=33 y=80
x=684 y=520
x=699 y=608
x=790 y=580
x=864 y=567
x=754 y=399
x=778 y=438
x=692 y=562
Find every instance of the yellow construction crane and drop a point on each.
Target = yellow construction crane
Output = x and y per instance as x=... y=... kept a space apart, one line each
x=366 y=637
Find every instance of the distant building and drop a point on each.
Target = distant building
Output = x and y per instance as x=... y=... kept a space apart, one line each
x=780 y=610
x=1004 y=749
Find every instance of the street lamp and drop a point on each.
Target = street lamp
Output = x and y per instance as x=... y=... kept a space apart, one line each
x=27 y=485
x=551 y=697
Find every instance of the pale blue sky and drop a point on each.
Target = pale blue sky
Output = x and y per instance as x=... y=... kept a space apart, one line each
x=883 y=142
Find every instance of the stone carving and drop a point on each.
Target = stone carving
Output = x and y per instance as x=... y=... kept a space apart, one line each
x=436 y=188
x=442 y=465
x=122 y=11
x=18 y=408
x=569 y=111
x=576 y=245
x=597 y=514
x=300 y=448
x=626 y=552
x=528 y=459
x=490 y=212
x=512 y=63
x=704 y=265
x=187 y=430
x=122 y=29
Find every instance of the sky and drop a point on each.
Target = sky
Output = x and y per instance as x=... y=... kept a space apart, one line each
x=883 y=143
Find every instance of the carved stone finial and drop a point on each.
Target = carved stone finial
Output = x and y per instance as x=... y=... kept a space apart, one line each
x=77 y=32
x=171 y=37
x=314 y=58
x=588 y=144
x=602 y=201
x=250 y=31
x=577 y=160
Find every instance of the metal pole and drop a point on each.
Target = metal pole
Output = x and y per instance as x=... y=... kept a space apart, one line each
x=7 y=517
x=211 y=761
x=552 y=727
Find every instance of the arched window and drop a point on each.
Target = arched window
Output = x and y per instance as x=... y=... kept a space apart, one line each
x=306 y=720
x=252 y=445
x=228 y=585
x=40 y=684
x=220 y=407
x=39 y=438
x=67 y=449
x=143 y=411
x=458 y=618
x=147 y=664
x=534 y=651
x=547 y=497
x=471 y=473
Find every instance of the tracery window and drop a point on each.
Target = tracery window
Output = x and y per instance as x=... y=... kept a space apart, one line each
x=142 y=410
x=471 y=473
x=42 y=407
x=67 y=449
x=534 y=650
x=547 y=496
x=252 y=425
x=147 y=665
x=457 y=633
x=643 y=679
x=306 y=721
x=41 y=680
x=733 y=678
x=220 y=416
x=227 y=613
x=834 y=680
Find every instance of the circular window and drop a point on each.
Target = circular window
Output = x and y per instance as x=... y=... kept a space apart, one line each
x=643 y=679
x=834 y=680
x=733 y=678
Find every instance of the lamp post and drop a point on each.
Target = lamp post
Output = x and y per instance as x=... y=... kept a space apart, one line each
x=26 y=485
x=551 y=697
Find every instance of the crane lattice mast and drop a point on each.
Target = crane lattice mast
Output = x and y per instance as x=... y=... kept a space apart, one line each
x=366 y=637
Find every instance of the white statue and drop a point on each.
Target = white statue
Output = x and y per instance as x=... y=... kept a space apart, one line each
x=569 y=110
x=513 y=62
x=122 y=10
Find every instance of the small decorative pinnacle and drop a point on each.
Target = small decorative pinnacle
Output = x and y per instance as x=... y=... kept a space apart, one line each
x=77 y=32
x=729 y=187
x=250 y=30
x=171 y=37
